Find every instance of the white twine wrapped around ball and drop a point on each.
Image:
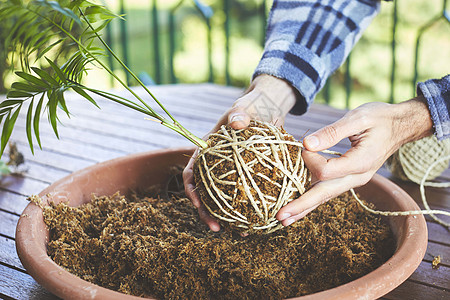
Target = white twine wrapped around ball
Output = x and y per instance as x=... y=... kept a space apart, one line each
x=243 y=183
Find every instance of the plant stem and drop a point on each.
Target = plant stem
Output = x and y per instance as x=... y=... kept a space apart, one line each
x=174 y=124
x=183 y=131
x=175 y=127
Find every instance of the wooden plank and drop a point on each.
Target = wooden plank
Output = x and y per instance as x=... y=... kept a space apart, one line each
x=71 y=148
x=412 y=290
x=18 y=285
x=97 y=139
x=12 y=202
x=438 y=234
x=8 y=224
x=437 y=278
x=436 y=196
x=435 y=249
x=151 y=133
x=22 y=185
x=44 y=173
x=51 y=158
x=8 y=254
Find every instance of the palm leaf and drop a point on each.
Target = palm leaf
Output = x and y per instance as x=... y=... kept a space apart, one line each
x=29 y=125
x=82 y=93
x=33 y=79
x=8 y=126
x=52 y=106
x=41 y=30
x=36 y=119
x=57 y=70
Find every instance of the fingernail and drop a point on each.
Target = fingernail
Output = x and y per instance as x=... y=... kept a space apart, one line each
x=288 y=222
x=236 y=118
x=284 y=216
x=214 y=227
x=312 y=141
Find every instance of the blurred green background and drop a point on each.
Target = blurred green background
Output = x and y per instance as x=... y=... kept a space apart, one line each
x=370 y=68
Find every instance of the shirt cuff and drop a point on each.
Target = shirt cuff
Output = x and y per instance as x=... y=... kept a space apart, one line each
x=437 y=93
x=299 y=66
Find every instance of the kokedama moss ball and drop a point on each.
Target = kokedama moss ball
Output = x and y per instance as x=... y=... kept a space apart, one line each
x=245 y=176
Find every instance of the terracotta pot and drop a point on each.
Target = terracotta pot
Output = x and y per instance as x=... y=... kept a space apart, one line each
x=140 y=170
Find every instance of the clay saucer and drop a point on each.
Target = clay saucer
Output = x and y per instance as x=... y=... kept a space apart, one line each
x=144 y=169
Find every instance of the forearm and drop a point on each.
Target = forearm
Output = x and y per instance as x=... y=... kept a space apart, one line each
x=277 y=96
x=412 y=120
x=308 y=40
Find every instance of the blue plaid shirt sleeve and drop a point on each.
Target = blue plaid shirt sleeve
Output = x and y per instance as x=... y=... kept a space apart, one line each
x=307 y=40
x=437 y=93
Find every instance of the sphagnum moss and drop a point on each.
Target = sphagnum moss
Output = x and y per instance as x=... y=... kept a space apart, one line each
x=152 y=246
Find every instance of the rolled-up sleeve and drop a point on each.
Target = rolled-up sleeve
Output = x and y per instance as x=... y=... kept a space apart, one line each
x=437 y=93
x=306 y=41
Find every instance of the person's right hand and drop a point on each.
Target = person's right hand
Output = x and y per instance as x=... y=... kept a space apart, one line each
x=267 y=99
x=376 y=131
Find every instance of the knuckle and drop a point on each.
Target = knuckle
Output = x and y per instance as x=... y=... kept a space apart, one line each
x=326 y=195
x=187 y=173
x=330 y=132
x=365 y=178
x=361 y=115
x=321 y=175
x=324 y=174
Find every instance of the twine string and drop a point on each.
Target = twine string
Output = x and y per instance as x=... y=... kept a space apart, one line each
x=268 y=141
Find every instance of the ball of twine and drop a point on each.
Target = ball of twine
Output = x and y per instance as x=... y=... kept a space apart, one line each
x=246 y=176
x=412 y=160
x=420 y=162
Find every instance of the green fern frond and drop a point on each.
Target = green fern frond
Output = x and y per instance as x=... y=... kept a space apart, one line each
x=48 y=20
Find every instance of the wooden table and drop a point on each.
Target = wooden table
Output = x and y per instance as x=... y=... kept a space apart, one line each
x=93 y=135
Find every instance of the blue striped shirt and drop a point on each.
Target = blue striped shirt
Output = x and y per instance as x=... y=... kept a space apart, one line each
x=307 y=40
x=437 y=93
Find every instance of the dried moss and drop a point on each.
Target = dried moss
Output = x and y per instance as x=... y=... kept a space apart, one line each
x=157 y=247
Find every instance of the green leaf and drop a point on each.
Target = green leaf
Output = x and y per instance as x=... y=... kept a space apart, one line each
x=102 y=26
x=28 y=125
x=57 y=70
x=3 y=112
x=18 y=94
x=50 y=47
x=13 y=31
x=43 y=39
x=20 y=86
x=52 y=115
x=62 y=102
x=7 y=103
x=65 y=11
x=8 y=128
x=82 y=93
x=36 y=119
x=33 y=79
x=45 y=76
x=97 y=13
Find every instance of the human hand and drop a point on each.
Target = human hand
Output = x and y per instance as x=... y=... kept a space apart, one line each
x=267 y=99
x=375 y=130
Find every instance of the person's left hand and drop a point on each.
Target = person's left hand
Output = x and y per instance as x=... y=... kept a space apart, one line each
x=375 y=130
x=267 y=99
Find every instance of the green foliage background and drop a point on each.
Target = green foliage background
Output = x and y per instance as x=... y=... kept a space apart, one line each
x=370 y=62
